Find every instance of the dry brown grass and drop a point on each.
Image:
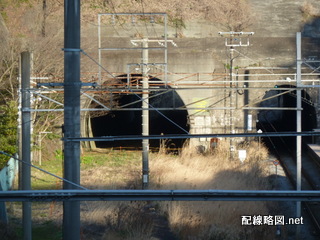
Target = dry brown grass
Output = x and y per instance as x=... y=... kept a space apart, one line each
x=212 y=220
x=117 y=220
x=214 y=170
x=188 y=170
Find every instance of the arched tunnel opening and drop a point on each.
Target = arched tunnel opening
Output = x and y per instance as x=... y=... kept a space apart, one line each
x=121 y=122
x=286 y=120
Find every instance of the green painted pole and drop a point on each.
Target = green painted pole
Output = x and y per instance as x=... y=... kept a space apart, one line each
x=72 y=86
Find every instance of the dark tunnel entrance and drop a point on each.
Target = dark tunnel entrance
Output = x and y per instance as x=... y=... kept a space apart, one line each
x=129 y=122
x=286 y=120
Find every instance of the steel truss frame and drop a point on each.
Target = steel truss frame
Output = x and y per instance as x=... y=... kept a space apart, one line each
x=183 y=83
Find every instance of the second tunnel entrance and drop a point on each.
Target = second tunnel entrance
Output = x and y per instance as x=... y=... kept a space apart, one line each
x=286 y=120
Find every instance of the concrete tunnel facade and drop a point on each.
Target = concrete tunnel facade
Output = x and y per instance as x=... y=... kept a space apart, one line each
x=197 y=121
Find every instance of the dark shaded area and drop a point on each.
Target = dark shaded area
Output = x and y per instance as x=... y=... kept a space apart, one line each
x=286 y=120
x=118 y=123
x=310 y=42
x=311 y=29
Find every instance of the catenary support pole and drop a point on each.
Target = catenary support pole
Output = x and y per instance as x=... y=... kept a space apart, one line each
x=72 y=86
x=145 y=115
x=298 y=139
x=99 y=50
x=26 y=144
x=232 y=130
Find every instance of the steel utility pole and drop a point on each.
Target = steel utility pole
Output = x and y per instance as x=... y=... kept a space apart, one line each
x=72 y=87
x=145 y=102
x=145 y=114
x=232 y=40
x=299 y=128
x=232 y=128
x=26 y=146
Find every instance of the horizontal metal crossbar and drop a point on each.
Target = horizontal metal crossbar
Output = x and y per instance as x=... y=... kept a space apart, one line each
x=60 y=84
x=185 y=136
x=132 y=14
x=157 y=195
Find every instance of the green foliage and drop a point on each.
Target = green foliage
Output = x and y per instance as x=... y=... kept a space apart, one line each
x=10 y=3
x=112 y=158
x=227 y=66
x=177 y=23
x=52 y=136
x=48 y=230
x=59 y=155
x=88 y=160
x=6 y=3
x=8 y=131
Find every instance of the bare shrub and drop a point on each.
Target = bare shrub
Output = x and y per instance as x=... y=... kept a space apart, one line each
x=233 y=15
x=120 y=220
x=309 y=11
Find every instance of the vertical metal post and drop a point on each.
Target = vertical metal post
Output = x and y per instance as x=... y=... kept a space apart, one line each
x=234 y=42
x=165 y=50
x=26 y=145
x=232 y=147
x=72 y=87
x=247 y=113
x=99 y=47
x=20 y=124
x=145 y=115
x=259 y=142
x=299 y=106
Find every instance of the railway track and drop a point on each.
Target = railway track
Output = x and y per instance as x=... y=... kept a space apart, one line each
x=284 y=151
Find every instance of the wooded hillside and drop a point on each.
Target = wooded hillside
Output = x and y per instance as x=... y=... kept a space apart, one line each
x=37 y=26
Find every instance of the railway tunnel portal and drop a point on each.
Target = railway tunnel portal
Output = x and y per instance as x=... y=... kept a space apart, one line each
x=167 y=114
x=286 y=120
x=206 y=104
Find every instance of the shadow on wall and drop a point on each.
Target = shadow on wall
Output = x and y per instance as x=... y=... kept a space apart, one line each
x=311 y=42
x=311 y=29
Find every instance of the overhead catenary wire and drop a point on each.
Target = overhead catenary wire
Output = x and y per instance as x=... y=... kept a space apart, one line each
x=137 y=95
x=133 y=92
